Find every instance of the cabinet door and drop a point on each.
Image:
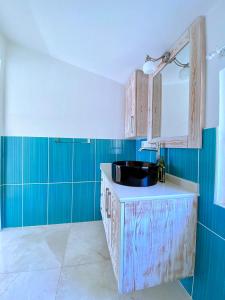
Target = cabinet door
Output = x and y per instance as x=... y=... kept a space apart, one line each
x=141 y=103
x=130 y=107
x=115 y=234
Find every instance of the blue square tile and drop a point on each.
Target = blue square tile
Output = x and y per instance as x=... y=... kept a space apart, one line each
x=105 y=153
x=12 y=206
x=84 y=160
x=211 y=215
x=12 y=160
x=60 y=203
x=60 y=160
x=35 y=204
x=187 y=284
x=184 y=163
x=98 y=215
x=126 y=150
x=83 y=202
x=35 y=160
x=210 y=266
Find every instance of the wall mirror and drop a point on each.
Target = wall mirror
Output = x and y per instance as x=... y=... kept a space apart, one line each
x=220 y=157
x=177 y=93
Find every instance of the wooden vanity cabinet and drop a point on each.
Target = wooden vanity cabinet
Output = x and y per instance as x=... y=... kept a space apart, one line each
x=136 y=105
x=150 y=241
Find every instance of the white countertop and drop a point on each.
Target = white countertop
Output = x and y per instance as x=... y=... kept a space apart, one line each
x=173 y=188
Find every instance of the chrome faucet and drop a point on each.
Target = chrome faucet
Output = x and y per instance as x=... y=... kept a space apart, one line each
x=156 y=148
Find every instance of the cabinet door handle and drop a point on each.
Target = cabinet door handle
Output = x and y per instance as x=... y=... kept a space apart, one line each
x=107 y=200
x=132 y=123
x=109 y=205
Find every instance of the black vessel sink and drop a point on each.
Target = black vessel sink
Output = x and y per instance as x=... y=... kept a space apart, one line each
x=134 y=173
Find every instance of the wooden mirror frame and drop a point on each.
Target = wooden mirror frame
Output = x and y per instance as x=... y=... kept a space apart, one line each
x=195 y=37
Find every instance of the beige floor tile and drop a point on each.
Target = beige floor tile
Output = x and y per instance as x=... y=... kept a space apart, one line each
x=80 y=250
x=97 y=282
x=36 y=285
x=86 y=244
x=33 y=248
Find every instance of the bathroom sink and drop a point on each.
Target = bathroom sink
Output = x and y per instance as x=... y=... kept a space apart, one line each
x=134 y=173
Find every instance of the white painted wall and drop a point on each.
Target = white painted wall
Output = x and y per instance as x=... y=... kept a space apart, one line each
x=215 y=26
x=2 y=81
x=46 y=97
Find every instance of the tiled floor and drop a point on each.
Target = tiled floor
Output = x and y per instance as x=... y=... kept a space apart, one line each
x=64 y=262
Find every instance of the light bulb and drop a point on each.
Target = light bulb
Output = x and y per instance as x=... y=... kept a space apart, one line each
x=184 y=73
x=149 y=67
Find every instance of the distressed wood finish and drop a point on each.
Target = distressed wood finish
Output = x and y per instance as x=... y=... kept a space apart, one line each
x=159 y=242
x=115 y=235
x=197 y=83
x=142 y=104
x=173 y=142
x=136 y=105
x=130 y=106
x=151 y=241
x=195 y=36
x=110 y=210
x=156 y=105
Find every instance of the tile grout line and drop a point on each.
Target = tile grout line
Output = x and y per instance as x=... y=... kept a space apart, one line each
x=71 y=213
x=63 y=260
x=95 y=176
x=22 y=162
x=2 y=180
x=210 y=230
x=48 y=181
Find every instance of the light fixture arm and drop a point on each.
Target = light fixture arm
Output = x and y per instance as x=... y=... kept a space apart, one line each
x=180 y=64
x=149 y=65
x=165 y=57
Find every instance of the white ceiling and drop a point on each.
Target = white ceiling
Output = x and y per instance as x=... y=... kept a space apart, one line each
x=110 y=38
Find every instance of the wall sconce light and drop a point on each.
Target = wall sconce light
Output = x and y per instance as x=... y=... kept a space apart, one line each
x=150 y=65
x=219 y=52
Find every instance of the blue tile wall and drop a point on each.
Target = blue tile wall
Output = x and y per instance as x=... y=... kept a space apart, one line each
x=60 y=160
x=12 y=206
x=59 y=203
x=35 y=160
x=209 y=281
x=149 y=156
x=35 y=204
x=58 y=180
x=12 y=160
x=83 y=202
x=106 y=151
x=209 y=278
x=211 y=215
x=187 y=284
x=125 y=150
x=183 y=163
x=84 y=160
x=97 y=201
x=46 y=182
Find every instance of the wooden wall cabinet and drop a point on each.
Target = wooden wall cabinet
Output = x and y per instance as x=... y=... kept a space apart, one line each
x=136 y=105
x=150 y=241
